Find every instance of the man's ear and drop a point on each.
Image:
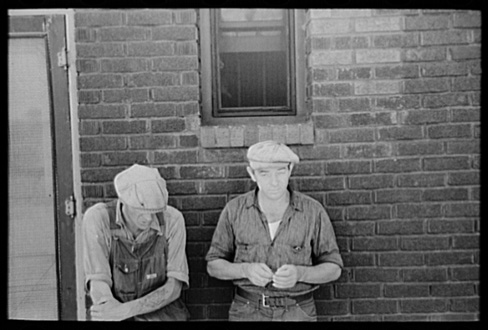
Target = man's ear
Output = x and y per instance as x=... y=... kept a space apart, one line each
x=251 y=173
x=291 y=167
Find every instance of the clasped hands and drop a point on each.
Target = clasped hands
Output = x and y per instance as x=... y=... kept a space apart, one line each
x=260 y=274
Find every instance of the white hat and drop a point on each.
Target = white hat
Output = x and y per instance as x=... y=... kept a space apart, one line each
x=271 y=152
x=142 y=188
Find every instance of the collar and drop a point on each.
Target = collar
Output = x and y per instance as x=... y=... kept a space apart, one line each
x=119 y=219
x=295 y=201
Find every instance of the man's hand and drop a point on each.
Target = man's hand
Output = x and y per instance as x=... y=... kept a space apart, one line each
x=258 y=273
x=110 y=310
x=286 y=277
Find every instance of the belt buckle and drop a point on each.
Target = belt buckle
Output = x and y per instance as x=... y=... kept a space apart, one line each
x=263 y=300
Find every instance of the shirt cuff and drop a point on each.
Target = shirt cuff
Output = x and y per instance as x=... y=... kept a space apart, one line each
x=180 y=276
x=333 y=257
x=97 y=277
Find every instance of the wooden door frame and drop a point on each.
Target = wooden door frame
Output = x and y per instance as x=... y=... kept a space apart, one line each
x=56 y=36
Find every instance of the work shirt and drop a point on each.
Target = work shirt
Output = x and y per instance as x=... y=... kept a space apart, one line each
x=305 y=237
x=97 y=239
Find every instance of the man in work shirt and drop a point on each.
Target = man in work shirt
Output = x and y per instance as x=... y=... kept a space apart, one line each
x=276 y=244
x=134 y=252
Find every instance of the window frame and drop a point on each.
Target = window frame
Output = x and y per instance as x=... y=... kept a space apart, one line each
x=209 y=83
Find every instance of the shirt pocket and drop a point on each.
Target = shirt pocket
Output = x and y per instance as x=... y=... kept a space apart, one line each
x=299 y=254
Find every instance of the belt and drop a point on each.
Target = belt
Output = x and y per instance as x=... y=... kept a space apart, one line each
x=270 y=301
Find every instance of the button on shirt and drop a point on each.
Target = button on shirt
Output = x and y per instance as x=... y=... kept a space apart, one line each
x=305 y=237
x=97 y=239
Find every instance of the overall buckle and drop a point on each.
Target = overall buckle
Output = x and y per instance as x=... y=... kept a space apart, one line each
x=263 y=300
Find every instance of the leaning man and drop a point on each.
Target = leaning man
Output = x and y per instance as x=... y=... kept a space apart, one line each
x=134 y=252
x=275 y=243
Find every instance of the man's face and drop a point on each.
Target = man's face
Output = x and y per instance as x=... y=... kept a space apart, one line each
x=272 y=178
x=139 y=219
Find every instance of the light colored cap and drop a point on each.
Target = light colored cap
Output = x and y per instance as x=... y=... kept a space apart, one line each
x=271 y=152
x=142 y=188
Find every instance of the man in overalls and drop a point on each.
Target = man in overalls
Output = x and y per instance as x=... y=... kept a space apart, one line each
x=275 y=243
x=134 y=252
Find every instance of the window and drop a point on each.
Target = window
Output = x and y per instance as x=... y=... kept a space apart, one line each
x=252 y=65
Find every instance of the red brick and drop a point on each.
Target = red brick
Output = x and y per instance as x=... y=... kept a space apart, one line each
x=425 y=274
x=424 y=54
x=373 y=212
x=400 y=259
x=175 y=157
x=167 y=125
x=416 y=117
x=399 y=71
x=397 y=165
x=99 y=50
x=181 y=187
x=322 y=152
x=122 y=33
x=465 y=52
x=98 y=18
x=410 y=227
x=427 y=85
x=452 y=290
x=357 y=290
x=374 y=307
x=466 y=115
x=371 y=182
x=354 y=73
x=124 y=127
x=445 y=100
x=89 y=128
x=449 y=37
x=354 y=104
x=353 y=228
x=372 y=119
x=209 y=296
x=177 y=93
x=332 y=307
x=398 y=102
x=99 y=174
x=223 y=155
x=421 y=180
x=424 y=306
x=348 y=167
x=90 y=160
x=374 y=244
x=87 y=66
x=125 y=95
x=438 y=22
x=400 y=133
x=149 y=17
x=464 y=209
x=446 y=194
x=152 y=79
x=100 y=81
x=358 y=259
x=405 y=40
x=203 y=203
x=450 y=226
x=444 y=69
x=367 y=150
x=175 y=63
x=466 y=84
x=124 y=158
x=415 y=211
x=424 y=243
x=144 y=110
x=185 y=16
x=102 y=143
x=446 y=163
x=347 y=42
x=465 y=305
x=332 y=90
x=465 y=273
x=406 y=290
x=349 y=198
x=92 y=191
x=152 y=142
x=467 y=20
x=449 y=258
x=320 y=184
x=225 y=186
x=174 y=33
x=376 y=275
x=330 y=121
x=398 y=195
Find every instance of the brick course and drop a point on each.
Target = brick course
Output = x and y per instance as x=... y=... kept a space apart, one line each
x=390 y=146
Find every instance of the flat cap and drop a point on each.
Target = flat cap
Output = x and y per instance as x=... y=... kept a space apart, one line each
x=142 y=188
x=271 y=152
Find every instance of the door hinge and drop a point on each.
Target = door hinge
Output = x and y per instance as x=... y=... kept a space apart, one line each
x=63 y=58
x=69 y=206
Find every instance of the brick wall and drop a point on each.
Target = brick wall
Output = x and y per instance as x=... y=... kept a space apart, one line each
x=395 y=98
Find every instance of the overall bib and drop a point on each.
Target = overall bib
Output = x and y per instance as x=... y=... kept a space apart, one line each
x=140 y=268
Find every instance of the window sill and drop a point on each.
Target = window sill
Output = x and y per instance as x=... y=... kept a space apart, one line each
x=246 y=135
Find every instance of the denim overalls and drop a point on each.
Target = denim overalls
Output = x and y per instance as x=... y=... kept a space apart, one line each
x=140 y=268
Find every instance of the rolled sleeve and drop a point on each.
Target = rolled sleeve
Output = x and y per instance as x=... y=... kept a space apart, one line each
x=96 y=245
x=325 y=248
x=222 y=246
x=177 y=265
